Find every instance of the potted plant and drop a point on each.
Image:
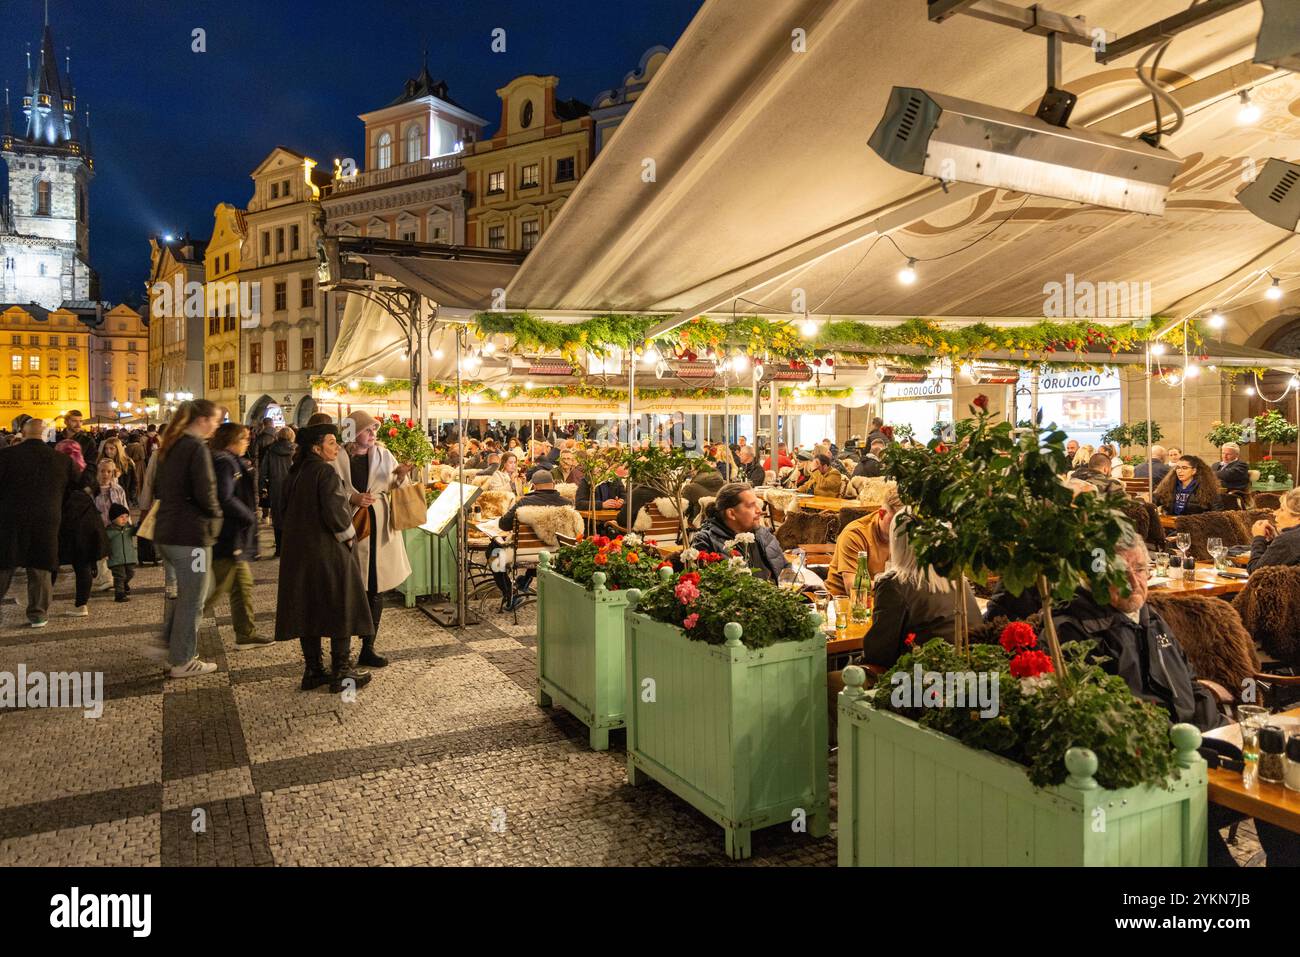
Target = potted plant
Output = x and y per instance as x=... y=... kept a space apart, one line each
x=1273 y=428
x=726 y=678
x=1271 y=471
x=1125 y=436
x=668 y=472
x=1221 y=433
x=582 y=592
x=1067 y=766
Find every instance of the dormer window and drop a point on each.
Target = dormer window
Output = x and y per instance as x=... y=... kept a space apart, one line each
x=526 y=114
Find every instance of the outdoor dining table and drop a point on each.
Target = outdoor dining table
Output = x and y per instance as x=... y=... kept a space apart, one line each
x=1263 y=801
x=824 y=503
x=1207 y=582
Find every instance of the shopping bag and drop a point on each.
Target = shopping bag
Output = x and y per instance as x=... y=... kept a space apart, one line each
x=407 y=506
x=148 y=522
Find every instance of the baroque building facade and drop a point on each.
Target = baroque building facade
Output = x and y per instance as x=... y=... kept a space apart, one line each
x=176 y=317
x=224 y=305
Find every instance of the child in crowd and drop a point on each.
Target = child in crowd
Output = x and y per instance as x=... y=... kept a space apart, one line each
x=122 y=554
x=107 y=493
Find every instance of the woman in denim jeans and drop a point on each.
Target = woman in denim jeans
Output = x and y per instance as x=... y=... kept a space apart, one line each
x=189 y=517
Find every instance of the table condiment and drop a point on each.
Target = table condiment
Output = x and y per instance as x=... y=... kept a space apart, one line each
x=1292 y=764
x=1272 y=744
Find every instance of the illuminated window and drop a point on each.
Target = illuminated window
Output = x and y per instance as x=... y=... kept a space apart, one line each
x=228 y=374
x=496 y=183
x=34 y=363
x=384 y=151
x=214 y=376
x=130 y=367
x=43 y=198
x=530 y=176
x=72 y=363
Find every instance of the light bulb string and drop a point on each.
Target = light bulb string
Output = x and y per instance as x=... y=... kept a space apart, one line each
x=1260 y=392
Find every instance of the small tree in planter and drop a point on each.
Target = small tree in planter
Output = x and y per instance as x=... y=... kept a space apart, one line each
x=1273 y=428
x=1221 y=433
x=668 y=473
x=599 y=465
x=1125 y=436
x=995 y=505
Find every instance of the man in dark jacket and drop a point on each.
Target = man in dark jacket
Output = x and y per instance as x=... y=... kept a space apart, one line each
x=74 y=431
x=609 y=494
x=877 y=432
x=33 y=481
x=736 y=511
x=750 y=469
x=870 y=466
x=1097 y=474
x=1231 y=471
x=543 y=493
x=1159 y=466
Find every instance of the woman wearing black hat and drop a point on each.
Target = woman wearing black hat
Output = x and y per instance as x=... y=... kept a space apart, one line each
x=321 y=592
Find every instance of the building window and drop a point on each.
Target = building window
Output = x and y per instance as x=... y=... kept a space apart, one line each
x=309 y=353
x=130 y=367
x=225 y=263
x=72 y=363
x=284 y=188
x=34 y=363
x=275 y=190
x=254 y=357
x=214 y=377
x=496 y=237
x=229 y=324
x=437 y=235
x=308 y=293
x=214 y=325
x=266 y=244
x=293 y=237
x=531 y=231
x=281 y=355
x=408 y=235
x=526 y=114
x=412 y=143
x=16 y=363
x=496 y=183
x=54 y=340
x=131 y=395
x=16 y=392
x=33 y=340
x=228 y=374
x=384 y=151
x=281 y=296
x=130 y=347
x=564 y=170
x=279 y=241
x=531 y=176
x=53 y=364
x=17 y=339
x=43 y=198
x=34 y=392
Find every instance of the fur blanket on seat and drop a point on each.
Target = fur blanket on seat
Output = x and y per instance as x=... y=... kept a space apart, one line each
x=1269 y=607
x=1211 y=525
x=851 y=513
x=808 y=528
x=548 y=521
x=495 y=503
x=875 y=491
x=568 y=489
x=1146 y=522
x=1211 y=632
x=783 y=499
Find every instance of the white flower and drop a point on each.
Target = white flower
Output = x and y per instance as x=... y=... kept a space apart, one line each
x=631 y=539
x=744 y=538
x=688 y=554
x=737 y=561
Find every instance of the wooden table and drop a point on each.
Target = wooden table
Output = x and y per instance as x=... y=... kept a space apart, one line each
x=823 y=503
x=1204 y=585
x=847 y=641
x=1263 y=801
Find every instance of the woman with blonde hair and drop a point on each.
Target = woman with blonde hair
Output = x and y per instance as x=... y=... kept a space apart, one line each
x=1082 y=456
x=1278 y=542
x=114 y=451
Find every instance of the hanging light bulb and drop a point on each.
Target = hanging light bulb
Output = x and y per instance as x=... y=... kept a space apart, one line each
x=354 y=385
x=808 y=327
x=1250 y=390
x=1217 y=321
x=437 y=353
x=505 y=393
x=380 y=378
x=1158 y=349
x=907 y=275
x=489 y=347
x=1192 y=371
x=650 y=357
x=406 y=353
x=1275 y=290
x=1175 y=379
x=528 y=386
x=739 y=362
x=1249 y=112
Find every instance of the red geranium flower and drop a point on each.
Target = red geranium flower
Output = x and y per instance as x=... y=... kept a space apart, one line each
x=392 y=433
x=1030 y=664
x=1017 y=636
x=601 y=558
x=981 y=402
x=887 y=431
x=410 y=423
x=911 y=637
x=632 y=558
x=396 y=417
x=663 y=565
x=692 y=577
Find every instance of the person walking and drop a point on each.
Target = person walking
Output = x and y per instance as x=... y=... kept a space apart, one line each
x=83 y=542
x=368 y=472
x=33 y=481
x=236 y=546
x=272 y=472
x=188 y=520
x=321 y=592
x=122 y=554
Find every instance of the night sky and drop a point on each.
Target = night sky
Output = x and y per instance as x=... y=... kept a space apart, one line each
x=176 y=132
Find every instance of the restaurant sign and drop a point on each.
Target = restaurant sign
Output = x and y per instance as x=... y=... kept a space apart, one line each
x=928 y=389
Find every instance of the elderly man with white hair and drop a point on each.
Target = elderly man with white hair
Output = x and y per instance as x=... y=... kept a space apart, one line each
x=1230 y=470
x=1159 y=465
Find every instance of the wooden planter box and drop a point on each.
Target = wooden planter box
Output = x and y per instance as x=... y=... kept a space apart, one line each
x=580 y=650
x=433 y=565
x=738 y=733
x=909 y=796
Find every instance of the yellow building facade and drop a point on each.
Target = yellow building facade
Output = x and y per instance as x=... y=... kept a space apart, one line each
x=222 y=263
x=521 y=177
x=119 y=364
x=46 y=363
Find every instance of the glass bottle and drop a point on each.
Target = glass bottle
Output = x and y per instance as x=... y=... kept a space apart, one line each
x=862 y=590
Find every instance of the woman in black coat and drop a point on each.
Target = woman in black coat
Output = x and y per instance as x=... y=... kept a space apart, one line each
x=82 y=543
x=321 y=591
x=276 y=461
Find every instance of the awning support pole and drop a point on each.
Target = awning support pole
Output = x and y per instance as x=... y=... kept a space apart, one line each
x=631 y=431
x=1182 y=397
x=462 y=523
x=1150 y=466
x=773 y=398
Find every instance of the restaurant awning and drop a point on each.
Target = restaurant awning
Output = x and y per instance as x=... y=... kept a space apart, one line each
x=763 y=183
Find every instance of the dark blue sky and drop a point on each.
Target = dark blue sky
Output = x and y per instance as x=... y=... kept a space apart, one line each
x=176 y=132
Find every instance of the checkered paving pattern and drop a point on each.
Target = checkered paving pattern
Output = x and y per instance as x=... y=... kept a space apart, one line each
x=444 y=758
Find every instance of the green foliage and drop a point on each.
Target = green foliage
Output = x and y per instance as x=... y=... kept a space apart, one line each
x=1124 y=436
x=1221 y=433
x=766 y=614
x=1273 y=428
x=1271 y=470
x=667 y=471
x=406 y=440
x=1036 y=723
x=599 y=554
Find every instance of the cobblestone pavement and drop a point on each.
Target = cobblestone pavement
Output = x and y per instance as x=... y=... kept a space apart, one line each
x=444 y=758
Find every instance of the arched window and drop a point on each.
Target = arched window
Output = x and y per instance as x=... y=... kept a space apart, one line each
x=43 y=198
x=412 y=143
x=384 y=151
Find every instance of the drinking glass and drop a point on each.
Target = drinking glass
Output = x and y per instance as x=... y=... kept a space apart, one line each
x=1251 y=718
x=1217 y=552
x=1161 y=560
x=843 y=610
x=789 y=579
x=1183 y=542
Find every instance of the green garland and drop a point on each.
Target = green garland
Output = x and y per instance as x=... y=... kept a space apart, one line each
x=581 y=391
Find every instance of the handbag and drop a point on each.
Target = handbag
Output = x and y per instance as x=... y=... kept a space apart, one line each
x=407 y=507
x=361 y=524
x=148 y=523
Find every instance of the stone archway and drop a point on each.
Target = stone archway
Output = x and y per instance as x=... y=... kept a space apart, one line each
x=263 y=408
x=306 y=409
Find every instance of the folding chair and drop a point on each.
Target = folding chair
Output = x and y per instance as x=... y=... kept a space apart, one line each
x=524 y=551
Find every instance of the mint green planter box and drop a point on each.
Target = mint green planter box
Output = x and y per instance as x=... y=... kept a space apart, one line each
x=909 y=796
x=580 y=650
x=737 y=733
x=1272 y=486
x=433 y=565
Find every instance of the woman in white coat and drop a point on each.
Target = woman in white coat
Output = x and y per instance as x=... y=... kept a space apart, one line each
x=369 y=471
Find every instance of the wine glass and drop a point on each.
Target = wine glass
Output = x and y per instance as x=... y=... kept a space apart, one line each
x=1162 y=564
x=1183 y=542
x=1215 y=547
